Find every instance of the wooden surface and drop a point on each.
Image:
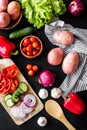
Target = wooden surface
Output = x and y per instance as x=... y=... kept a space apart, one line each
x=39 y=105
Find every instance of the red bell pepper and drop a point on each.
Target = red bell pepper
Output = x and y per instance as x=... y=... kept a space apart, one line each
x=74 y=104
x=7 y=47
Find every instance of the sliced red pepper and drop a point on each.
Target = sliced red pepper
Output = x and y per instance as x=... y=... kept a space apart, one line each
x=2 y=82
x=74 y=104
x=14 y=85
x=7 y=87
x=11 y=71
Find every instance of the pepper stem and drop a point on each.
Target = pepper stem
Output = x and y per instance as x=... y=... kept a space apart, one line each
x=15 y=53
x=66 y=97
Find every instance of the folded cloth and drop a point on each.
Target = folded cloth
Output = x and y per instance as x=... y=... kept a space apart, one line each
x=77 y=81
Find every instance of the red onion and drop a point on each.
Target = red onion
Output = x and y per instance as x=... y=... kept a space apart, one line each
x=29 y=100
x=46 y=78
x=16 y=113
x=25 y=109
x=76 y=7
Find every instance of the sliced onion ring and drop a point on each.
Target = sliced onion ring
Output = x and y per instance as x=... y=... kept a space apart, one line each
x=16 y=113
x=25 y=109
x=29 y=100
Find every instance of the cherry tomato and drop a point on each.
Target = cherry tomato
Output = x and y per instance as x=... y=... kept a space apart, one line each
x=26 y=41
x=39 y=47
x=32 y=39
x=35 y=68
x=35 y=44
x=24 y=49
x=35 y=52
x=29 y=47
x=29 y=53
x=29 y=66
x=31 y=72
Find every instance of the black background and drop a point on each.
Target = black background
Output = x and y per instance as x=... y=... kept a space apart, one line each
x=79 y=122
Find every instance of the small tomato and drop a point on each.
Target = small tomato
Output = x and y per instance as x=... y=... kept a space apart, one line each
x=32 y=39
x=31 y=72
x=29 y=66
x=39 y=47
x=35 y=52
x=35 y=68
x=35 y=44
x=24 y=49
x=29 y=47
x=26 y=41
x=29 y=53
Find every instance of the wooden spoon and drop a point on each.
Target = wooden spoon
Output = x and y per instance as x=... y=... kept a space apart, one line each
x=54 y=109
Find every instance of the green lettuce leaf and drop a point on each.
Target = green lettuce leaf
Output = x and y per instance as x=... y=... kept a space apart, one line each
x=41 y=12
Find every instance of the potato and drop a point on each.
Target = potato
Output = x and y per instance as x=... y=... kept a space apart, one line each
x=55 y=56
x=70 y=63
x=63 y=37
x=3 y=5
x=4 y=19
x=14 y=10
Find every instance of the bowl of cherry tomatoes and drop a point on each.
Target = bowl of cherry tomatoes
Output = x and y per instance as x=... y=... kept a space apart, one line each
x=31 y=46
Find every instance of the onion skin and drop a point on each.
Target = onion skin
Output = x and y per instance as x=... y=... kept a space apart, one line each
x=76 y=7
x=46 y=78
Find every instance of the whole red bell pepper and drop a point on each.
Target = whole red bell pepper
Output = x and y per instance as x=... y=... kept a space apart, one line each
x=74 y=104
x=6 y=47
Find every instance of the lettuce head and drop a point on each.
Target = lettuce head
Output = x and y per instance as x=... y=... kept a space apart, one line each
x=41 y=12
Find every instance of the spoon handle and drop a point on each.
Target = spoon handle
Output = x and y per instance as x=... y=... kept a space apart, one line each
x=67 y=123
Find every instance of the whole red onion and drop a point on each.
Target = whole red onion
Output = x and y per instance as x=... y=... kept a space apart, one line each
x=46 y=78
x=76 y=7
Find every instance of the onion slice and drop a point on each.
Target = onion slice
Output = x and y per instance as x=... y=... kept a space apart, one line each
x=15 y=112
x=29 y=100
x=25 y=109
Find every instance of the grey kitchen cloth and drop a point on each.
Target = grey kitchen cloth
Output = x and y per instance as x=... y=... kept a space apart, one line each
x=77 y=81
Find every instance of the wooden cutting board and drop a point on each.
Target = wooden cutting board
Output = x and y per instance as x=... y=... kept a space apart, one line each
x=39 y=105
